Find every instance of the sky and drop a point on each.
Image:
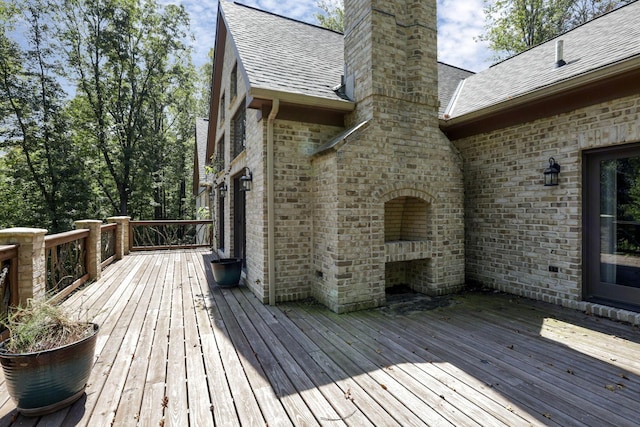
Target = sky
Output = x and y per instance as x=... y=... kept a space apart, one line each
x=460 y=22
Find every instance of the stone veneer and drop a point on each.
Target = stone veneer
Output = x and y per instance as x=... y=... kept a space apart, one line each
x=516 y=227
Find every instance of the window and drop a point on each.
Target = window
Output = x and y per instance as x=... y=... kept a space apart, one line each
x=234 y=83
x=238 y=131
x=222 y=108
x=219 y=159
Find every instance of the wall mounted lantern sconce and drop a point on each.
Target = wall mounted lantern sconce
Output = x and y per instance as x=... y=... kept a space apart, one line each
x=551 y=173
x=245 y=180
x=222 y=190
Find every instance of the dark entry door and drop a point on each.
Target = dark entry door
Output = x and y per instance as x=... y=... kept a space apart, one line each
x=612 y=226
x=239 y=222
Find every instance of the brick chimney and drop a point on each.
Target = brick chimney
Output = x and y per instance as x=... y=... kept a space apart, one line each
x=391 y=56
x=389 y=206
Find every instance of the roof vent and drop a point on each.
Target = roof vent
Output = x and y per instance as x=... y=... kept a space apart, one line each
x=560 y=53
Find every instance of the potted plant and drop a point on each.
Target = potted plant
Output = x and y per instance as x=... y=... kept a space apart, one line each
x=226 y=271
x=47 y=358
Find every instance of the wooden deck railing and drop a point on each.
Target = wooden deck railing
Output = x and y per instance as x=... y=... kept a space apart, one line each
x=66 y=255
x=108 y=244
x=146 y=235
x=8 y=278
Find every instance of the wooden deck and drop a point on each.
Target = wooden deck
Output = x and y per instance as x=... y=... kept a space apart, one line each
x=176 y=350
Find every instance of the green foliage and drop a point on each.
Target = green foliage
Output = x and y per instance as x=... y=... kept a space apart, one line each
x=332 y=16
x=34 y=130
x=41 y=326
x=135 y=84
x=512 y=26
x=204 y=84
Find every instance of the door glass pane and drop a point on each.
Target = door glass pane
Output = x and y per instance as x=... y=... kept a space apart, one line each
x=620 y=222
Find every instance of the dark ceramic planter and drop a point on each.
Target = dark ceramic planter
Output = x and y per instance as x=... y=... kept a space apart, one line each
x=44 y=382
x=227 y=271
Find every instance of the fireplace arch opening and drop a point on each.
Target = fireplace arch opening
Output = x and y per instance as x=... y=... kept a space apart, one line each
x=405 y=219
x=407 y=237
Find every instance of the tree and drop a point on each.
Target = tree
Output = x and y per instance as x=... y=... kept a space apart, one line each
x=332 y=16
x=512 y=26
x=204 y=87
x=45 y=169
x=131 y=66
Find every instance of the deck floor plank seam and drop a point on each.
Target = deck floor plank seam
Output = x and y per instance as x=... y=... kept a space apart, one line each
x=115 y=357
x=371 y=383
x=154 y=388
x=176 y=413
x=463 y=397
x=252 y=394
x=541 y=397
x=433 y=409
x=580 y=370
x=467 y=364
x=222 y=406
x=542 y=376
x=199 y=401
x=352 y=391
x=305 y=404
x=128 y=412
x=339 y=398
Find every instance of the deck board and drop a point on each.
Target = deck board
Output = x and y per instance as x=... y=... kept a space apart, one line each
x=174 y=349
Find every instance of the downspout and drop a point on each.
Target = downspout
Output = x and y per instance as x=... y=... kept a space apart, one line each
x=271 y=250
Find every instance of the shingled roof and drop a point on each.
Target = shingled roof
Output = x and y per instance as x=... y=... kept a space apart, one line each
x=285 y=55
x=602 y=42
x=449 y=77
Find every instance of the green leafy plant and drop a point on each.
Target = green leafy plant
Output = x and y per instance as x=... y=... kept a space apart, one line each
x=42 y=325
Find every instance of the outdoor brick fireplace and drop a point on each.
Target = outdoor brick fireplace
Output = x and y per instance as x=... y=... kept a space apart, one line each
x=407 y=243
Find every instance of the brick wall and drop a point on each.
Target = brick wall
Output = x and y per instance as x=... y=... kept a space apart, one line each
x=253 y=158
x=294 y=205
x=516 y=227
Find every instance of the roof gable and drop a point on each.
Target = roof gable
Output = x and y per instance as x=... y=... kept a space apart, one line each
x=284 y=55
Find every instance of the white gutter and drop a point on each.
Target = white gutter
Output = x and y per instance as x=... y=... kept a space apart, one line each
x=271 y=250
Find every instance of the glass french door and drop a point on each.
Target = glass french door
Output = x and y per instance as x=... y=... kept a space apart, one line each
x=612 y=226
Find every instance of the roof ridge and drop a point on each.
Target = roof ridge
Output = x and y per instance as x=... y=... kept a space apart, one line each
x=285 y=17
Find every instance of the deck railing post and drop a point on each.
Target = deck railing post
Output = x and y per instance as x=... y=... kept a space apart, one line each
x=94 y=248
x=122 y=235
x=32 y=266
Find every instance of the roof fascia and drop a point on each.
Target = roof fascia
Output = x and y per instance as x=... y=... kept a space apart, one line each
x=216 y=81
x=256 y=93
x=585 y=89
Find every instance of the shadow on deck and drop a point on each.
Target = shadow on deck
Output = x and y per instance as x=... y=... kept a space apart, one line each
x=176 y=350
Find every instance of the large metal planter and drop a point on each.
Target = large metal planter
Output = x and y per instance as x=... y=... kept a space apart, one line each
x=227 y=271
x=44 y=382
